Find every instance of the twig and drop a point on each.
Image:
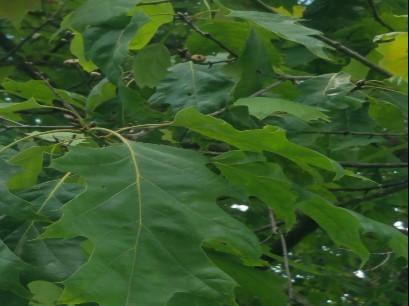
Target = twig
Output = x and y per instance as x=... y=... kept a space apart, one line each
x=344 y=49
x=30 y=36
x=369 y=188
x=351 y=133
x=37 y=127
x=67 y=105
x=276 y=230
x=189 y=21
x=338 y=46
x=24 y=41
x=154 y=2
x=383 y=263
x=378 y=18
x=266 y=6
x=374 y=196
x=268 y=88
x=374 y=165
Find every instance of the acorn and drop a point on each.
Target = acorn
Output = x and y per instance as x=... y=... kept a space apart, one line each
x=198 y=58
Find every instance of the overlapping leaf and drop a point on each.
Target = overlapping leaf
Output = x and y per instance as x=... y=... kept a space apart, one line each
x=342 y=226
x=145 y=211
x=151 y=65
x=271 y=139
x=189 y=84
x=287 y=28
x=327 y=91
x=107 y=9
x=10 y=205
x=10 y=268
x=107 y=44
x=264 y=107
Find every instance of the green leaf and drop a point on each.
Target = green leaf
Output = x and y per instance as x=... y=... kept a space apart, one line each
x=397 y=241
x=288 y=28
x=10 y=110
x=55 y=259
x=31 y=161
x=340 y=224
x=16 y=11
x=230 y=32
x=151 y=65
x=267 y=182
x=41 y=92
x=387 y=115
x=10 y=205
x=254 y=65
x=189 y=84
x=327 y=91
x=152 y=198
x=261 y=108
x=77 y=49
x=10 y=268
x=135 y=107
x=107 y=44
x=95 y=12
x=270 y=139
x=103 y=92
x=159 y=14
x=266 y=286
x=44 y=293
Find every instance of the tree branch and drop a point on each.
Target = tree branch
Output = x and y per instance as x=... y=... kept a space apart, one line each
x=378 y=18
x=67 y=105
x=374 y=165
x=344 y=49
x=337 y=45
x=37 y=127
x=351 y=133
x=189 y=21
x=369 y=188
x=375 y=196
x=17 y=48
x=154 y=2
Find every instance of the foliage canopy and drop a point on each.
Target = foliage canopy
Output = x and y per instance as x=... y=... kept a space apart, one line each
x=212 y=152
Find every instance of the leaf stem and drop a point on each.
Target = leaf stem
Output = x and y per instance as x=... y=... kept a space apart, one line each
x=36 y=135
x=276 y=230
x=50 y=196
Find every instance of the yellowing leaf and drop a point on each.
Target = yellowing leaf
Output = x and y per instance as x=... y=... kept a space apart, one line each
x=77 y=48
x=158 y=14
x=16 y=10
x=395 y=54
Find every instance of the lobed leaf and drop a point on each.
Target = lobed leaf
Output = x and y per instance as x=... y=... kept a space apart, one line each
x=261 y=108
x=288 y=28
x=189 y=84
x=151 y=197
x=270 y=139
